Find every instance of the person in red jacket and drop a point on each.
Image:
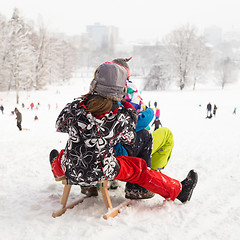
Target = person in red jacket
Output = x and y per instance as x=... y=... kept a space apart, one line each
x=95 y=124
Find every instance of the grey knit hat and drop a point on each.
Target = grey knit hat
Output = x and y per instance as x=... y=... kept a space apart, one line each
x=109 y=81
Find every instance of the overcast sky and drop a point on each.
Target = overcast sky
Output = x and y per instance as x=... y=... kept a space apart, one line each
x=136 y=19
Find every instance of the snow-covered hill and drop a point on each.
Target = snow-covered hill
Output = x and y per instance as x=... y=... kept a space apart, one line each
x=29 y=193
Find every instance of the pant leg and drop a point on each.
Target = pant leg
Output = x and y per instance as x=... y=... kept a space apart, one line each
x=135 y=170
x=19 y=126
x=142 y=148
x=162 y=148
x=56 y=165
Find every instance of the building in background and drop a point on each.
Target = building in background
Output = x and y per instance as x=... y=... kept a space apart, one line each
x=104 y=37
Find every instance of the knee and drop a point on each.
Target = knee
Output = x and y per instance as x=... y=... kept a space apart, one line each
x=146 y=135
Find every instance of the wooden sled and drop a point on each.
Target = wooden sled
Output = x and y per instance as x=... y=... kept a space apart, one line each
x=102 y=185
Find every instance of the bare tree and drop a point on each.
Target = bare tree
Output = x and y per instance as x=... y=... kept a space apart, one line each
x=43 y=48
x=3 y=53
x=158 y=78
x=30 y=59
x=63 y=61
x=182 y=54
x=67 y=61
x=145 y=57
x=201 y=60
x=226 y=71
x=20 y=54
x=226 y=62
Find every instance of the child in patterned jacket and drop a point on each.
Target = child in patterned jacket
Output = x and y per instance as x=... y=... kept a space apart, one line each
x=95 y=124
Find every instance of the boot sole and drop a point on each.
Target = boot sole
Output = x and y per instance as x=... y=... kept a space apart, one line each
x=137 y=197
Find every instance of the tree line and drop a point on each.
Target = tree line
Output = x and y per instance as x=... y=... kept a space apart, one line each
x=30 y=58
x=184 y=58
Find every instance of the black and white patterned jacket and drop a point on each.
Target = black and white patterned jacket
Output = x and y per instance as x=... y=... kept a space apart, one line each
x=89 y=154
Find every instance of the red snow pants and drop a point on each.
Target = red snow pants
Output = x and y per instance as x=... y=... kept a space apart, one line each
x=56 y=165
x=135 y=170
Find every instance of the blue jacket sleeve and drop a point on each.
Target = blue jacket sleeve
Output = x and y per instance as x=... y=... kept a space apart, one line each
x=144 y=119
x=120 y=150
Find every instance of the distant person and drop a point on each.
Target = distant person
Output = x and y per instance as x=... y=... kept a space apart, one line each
x=19 y=119
x=157 y=123
x=235 y=110
x=157 y=113
x=38 y=105
x=36 y=117
x=32 y=106
x=2 y=108
x=209 y=110
x=23 y=105
x=149 y=104
x=155 y=104
x=214 y=110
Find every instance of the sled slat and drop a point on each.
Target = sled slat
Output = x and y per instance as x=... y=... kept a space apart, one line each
x=114 y=212
x=66 y=191
x=102 y=185
x=105 y=195
x=63 y=210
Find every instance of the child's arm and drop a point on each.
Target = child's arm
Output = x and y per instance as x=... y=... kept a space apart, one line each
x=127 y=124
x=64 y=120
x=144 y=119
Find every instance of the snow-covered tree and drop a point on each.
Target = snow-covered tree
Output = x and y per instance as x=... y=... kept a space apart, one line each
x=3 y=53
x=145 y=57
x=20 y=55
x=183 y=48
x=226 y=71
x=157 y=79
x=67 y=61
x=201 y=60
x=63 y=61
x=84 y=52
x=30 y=59
x=42 y=48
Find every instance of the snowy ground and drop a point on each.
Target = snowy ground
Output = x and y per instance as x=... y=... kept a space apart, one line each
x=29 y=193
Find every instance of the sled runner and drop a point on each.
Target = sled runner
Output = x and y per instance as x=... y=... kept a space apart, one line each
x=102 y=186
x=26 y=129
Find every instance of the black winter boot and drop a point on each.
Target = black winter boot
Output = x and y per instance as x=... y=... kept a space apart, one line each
x=139 y=195
x=134 y=191
x=114 y=184
x=90 y=191
x=188 y=184
x=53 y=154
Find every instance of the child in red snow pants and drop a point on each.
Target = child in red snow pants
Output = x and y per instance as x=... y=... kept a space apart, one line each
x=135 y=170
